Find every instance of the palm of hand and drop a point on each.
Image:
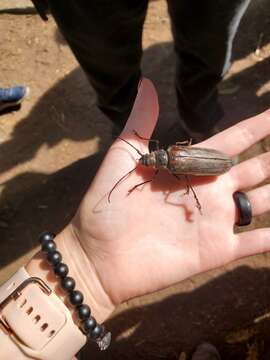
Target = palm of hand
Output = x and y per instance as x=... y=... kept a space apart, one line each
x=157 y=233
x=156 y=236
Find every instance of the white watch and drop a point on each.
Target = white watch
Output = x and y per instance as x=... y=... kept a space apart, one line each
x=35 y=323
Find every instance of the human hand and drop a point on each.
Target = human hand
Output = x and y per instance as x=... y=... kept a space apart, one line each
x=156 y=236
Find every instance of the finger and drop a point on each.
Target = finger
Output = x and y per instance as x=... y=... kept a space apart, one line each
x=143 y=117
x=122 y=157
x=241 y=136
x=251 y=172
x=252 y=242
x=260 y=199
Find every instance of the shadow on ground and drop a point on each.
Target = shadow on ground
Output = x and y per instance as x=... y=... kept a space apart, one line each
x=176 y=324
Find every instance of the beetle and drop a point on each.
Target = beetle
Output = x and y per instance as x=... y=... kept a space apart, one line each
x=180 y=159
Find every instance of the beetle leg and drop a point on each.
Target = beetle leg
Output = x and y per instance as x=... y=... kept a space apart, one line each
x=145 y=182
x=189 y=187
x=198 y=205
x=150 y=140
x=186 y=142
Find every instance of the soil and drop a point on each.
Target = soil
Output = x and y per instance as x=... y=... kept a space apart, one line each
x=51 y=148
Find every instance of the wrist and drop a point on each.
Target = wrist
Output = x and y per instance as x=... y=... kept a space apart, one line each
x=80 y=268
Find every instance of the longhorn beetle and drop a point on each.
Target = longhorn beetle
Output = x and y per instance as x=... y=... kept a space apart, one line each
x=180 y=160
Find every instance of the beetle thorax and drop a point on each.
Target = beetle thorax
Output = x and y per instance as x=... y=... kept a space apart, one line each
x=157 y=159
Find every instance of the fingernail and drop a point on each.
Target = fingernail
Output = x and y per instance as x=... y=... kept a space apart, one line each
x=139 y=87
x=140 y=82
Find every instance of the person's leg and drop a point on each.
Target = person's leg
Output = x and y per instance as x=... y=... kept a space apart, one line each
x=105 y=37
x=203 y=33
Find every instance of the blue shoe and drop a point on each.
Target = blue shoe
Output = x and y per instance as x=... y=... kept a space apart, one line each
x=12 y=96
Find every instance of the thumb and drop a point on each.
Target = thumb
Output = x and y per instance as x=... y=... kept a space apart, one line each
x=144 y=115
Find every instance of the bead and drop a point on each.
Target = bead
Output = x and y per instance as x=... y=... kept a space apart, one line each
x=68 y=284
x=97 y=332
x=54 y=257
x=61 y=270
x=76 y=297
x=89 y=324
x=105 y=340
x=48 y=246
x=45 y=237
x=83 y=311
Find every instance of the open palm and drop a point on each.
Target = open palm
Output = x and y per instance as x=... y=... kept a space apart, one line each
x=156 y=236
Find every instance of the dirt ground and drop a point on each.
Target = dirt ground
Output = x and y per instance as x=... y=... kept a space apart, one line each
x=51 y=148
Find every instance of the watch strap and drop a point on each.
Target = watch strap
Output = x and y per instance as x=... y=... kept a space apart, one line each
x=34 y=322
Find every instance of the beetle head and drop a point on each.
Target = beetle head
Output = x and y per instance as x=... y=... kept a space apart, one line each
x=156 y=159
x=148 y=160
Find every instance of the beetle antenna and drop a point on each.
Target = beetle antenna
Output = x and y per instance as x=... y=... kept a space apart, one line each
x=138 y=151
x=120 y=180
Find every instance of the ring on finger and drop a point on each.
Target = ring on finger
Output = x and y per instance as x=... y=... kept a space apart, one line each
x=243 y=205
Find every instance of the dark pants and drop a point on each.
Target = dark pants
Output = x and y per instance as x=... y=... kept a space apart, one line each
x=106 y=38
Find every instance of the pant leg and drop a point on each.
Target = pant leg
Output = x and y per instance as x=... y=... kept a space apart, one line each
x=42 y=8
x=203 y=33
x=105 y=37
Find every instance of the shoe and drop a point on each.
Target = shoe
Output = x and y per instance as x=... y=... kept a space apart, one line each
x=206 y=351
x=12 y=96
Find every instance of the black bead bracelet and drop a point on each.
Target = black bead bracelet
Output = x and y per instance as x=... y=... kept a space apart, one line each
x=88 y=324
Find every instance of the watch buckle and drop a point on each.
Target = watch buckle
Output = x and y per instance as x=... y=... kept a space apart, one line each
x=17 y=293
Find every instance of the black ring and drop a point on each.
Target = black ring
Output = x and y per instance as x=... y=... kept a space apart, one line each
x=244 y=206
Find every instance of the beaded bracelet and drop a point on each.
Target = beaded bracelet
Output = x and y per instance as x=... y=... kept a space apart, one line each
x=88 y=324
